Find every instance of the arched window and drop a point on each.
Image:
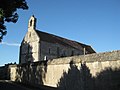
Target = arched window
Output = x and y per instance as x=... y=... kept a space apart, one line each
x=72 y=53
x=30 y=22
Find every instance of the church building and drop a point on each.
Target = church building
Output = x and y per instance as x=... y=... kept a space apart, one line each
x=39 y=46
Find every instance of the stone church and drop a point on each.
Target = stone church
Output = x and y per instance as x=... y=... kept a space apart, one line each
x=40 y=46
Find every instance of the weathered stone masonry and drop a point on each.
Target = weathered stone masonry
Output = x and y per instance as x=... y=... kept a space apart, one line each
x=40 y=46
x=42 y=63
x=101 y=71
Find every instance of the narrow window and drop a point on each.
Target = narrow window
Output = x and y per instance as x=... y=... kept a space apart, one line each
x=58 y=54
x=72 y=53
x=49 y=50
x=29 y=34
x=30 y=22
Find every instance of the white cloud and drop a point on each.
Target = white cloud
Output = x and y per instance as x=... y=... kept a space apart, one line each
x=10 y=44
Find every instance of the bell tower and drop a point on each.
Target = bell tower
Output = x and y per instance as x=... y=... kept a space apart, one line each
x=32 y=23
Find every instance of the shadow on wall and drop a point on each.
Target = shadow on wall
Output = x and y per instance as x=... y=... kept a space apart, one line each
x=75 y=79
x=81 y=79
x=108 y=79
x=26 y=53
x=4 y=73
x=31 y=72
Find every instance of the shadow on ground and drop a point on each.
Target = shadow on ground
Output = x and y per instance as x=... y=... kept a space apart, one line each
x=8 y=85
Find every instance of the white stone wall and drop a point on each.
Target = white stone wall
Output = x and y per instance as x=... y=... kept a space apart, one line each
x=55 y=72
x=30 y=48
x=50 y=50
x=90 y=72
x=13 y=72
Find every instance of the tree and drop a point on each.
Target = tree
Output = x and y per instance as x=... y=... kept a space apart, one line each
x=8 y=13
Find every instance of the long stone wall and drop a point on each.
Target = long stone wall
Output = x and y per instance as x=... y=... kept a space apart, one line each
x=90 y=72
x=51 y=50
x=4 y=72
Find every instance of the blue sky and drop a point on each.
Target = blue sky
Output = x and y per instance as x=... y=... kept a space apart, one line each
x=93 y=22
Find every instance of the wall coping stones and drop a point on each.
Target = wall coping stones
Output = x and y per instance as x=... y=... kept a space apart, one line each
x=100 y=57
x=96 y=57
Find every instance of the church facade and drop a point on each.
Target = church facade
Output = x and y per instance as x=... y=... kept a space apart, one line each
x=39 y=46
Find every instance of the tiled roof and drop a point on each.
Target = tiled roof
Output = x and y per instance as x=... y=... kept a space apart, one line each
x=56 y=39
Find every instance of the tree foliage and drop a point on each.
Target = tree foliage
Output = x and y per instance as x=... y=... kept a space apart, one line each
x=8 y=13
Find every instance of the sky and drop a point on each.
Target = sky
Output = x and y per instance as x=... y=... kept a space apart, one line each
x=92 y=22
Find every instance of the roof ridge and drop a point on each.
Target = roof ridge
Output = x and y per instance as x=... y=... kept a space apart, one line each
x=62 y=38
x=57 y=39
